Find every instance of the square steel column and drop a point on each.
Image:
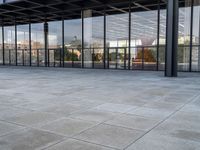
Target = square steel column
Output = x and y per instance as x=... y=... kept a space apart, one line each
x=3 y=45
x=30 y=46
x=46 y=30
x=171 y=39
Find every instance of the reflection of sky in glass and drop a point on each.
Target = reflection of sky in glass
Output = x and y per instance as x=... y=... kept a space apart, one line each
x=55 y=33
x=9 y=35
x=143 y=27
x=72 y=30
x=37 y=34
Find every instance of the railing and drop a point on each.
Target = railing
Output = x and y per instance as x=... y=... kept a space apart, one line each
x=135 y=58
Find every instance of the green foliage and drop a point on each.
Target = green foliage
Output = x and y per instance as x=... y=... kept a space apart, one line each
x=69 y=56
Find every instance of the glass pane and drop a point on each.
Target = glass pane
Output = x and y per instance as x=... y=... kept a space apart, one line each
x=88 y=57
x=184 y=22
x=183 y=58
x=121 y=58
x=23 y=52
x=163 y=26
x=150 y=58
x=117 y=30
x=73 y=42
x=37 y=43
x=55 y=43
x=196 y=58
x=112 y=57
x=162 y=40
x=137 y=58
x=196 y=24
x=98 y=58
x=144 y=29
x=9 y=45
x=117 y=36
x=161 y=63
x=93 y=35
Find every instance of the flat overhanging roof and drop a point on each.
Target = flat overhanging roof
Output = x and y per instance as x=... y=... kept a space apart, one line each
x=25 y=11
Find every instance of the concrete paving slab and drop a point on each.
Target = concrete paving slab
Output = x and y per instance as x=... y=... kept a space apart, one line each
x=133 y=122
x=161 y=142
x=94 y=115
x=6 y=128
x=72 y=144
x=68 y=127
x=28 y=139
x=112 y=136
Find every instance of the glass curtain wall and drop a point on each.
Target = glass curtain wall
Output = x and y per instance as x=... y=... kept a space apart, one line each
x=93 y=39
x=144 y=32
x=73 y=42
x=55 y=44
x=23 y=51
x=111 y=37
x=37 y=44
x=117 y=37
x=196 y=37
x=9 y=45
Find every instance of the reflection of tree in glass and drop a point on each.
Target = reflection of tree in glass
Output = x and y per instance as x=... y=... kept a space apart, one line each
x=98 y=57
x=69 y=56
x=147 y=54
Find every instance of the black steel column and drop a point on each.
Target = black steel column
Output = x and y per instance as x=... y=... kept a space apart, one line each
x=171 y=39
x=46 y=28
x=16 y=43
x=191 y=35
x=63 y=43
x=30 y=46
x=3 y=47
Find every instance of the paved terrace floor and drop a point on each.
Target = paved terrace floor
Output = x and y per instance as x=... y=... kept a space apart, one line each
x=74 y=109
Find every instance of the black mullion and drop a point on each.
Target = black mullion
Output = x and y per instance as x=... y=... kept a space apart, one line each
x=116 y=65
x=143 y=58
x=125 y=53
x=23 y=57
x=72 y=57
x=93 y=57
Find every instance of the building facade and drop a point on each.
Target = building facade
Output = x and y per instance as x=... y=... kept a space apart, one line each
x=114 y=34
